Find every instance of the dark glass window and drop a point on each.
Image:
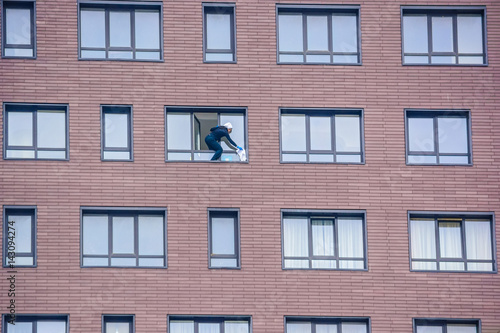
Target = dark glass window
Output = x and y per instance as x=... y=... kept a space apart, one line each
x=438 y=137
x=36 y=324
x=36 y=131
x=446 y=326
x=19 y=237
x=454 y=36
x=224 y=239
x=321 y=136
x=18 y=35
x=120 y=31
x=118 y=324
x=212 y=324
x=219 y=33
x=318 y=34
x=326 y=325
x=116 y=133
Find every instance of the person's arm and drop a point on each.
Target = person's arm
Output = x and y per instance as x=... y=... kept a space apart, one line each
x=231 y=141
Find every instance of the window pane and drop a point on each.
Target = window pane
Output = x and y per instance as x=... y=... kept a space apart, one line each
x=324 y=263
x=478 y=240
x=219 y=57
x=116 y=127
x=470 y=33
x=353 y=328
x=345 y=59
x=442 y=34
x=451 y=266
x=350 y=238
x=322 y=238
x=421 y=134
x=461 y=328
x=298 y=327
x=422 y=159
x=120 y=55
x=123 y=234
x=290 y=33
x=471 y=60
x=208 y=328
x=10 y=52
x=94 y=54
x=345 y=33
x=51 y=327
x=116 y=155
x=179 y=131
x=415 y=34
x=292 y=58
x=424 y=266
x=51 y=154
x=446 y=60
x=479 y=267
x=219 y=31
x=327 y=328
x=327 y=158
x=151 y=262
x=51 y=129
x=293 y=132
x=223 y=235
x=181 y=327
x=294 y=158
x=423 y=239
x=295 y=234
x=22 y=228
x=119 y=29
x=151 y=235
x=348 y=158
x=453 y=159
x=452 y=135
x=147 y=29
x=95 y=234
x=20 y=154
x=347 y=129
x=429 y=329
x=450 y=240
x=296 y=263
x=117 y=328
x=317 y=33
x=20 y=128
x=124 y=262
x=92 y=28
x=416 y=59
x=214 y=262
x=238 y=133
x=20 y=327
x=351 y=264
x=318 y=58
x=321 y=133
x=235 y=327
x=18 y=26
x=21 y=261
x=147 y=55
x=95 y=262
x=179 y=156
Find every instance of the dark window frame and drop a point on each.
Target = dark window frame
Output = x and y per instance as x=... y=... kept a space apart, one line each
x=209 y=319
x=319 y=10
x=324 y=112
x=118 y=109
x=21 y=210
x=222 y=8
x=225 y=212
x=35 y=318
x=30 y=4
x=134 y=212
x=122 y=6
x=456 y=215
x=117 y=318
x=443 y=322
x=33 y=108
x=452 y=11
x=312 y=214
x=314 y=320
x=194 y=109
x=435 y=114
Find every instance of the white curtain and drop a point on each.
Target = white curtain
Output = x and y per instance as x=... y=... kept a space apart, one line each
x=350 y=238
x=322 y=238
x=450 y=240
x=181 y=327
x=457 y=328
x=208 y=328
x=423 y=239
x=298 y=328
x=478 y=240
x=326 y=328
x=235 y=327
x=295 y=237
x=429 y=329
x=353 y=328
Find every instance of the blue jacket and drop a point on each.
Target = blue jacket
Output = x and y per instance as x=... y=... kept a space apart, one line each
x=218 y=132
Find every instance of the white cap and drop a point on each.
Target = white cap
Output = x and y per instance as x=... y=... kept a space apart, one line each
x=228 y=125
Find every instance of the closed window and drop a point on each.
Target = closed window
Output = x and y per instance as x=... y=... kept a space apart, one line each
x=36 y=131
x=36 y=323
x=318 y=34
x=118 y=324
x=19 y=237
x=321 y=136
x=120 y=31
x=324 y=240
x=18 y=37
x=438 y=137
x=224 y=238
x=219 y=32
x=446 y=326
x=212 y=324
x=326 y=325
x=187 y=127
x=124 y=238
x=454 y=36
x=116 y=133
x=449 y=242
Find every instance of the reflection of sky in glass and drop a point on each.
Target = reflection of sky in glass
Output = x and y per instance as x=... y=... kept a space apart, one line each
x=179 y=130
x=321 y=133
x=147 y=30
x=421 y=134
x=347 y=129
x=119 y=29
x=219 y=31
x=317 y=33
x=452 y=135
x=415 y=34
x=470 y=33
x=290 y=33
x=116 y=131
x=18 y=26
x=345 y=33
x=293 y=132
x=223 y=236
x=92 y=28
x=442 y=34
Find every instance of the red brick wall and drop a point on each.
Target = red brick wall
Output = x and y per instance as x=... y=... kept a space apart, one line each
x=385 y=187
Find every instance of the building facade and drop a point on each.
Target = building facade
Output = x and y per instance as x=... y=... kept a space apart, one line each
x=367 y=203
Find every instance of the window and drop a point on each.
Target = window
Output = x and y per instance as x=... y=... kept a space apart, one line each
x=19 y=236
x=124 y=237
x=451 y=242
x=326 y=325
x=121 y=30
x=453 y=36
x=18 y=37
x=318 y=34
x=438 y=137
x=187 y=128
x=324 y=240
x=36 y=131
x=36 y=323
x=118 y=324
x=116 y=133
x=321 y=136
x=210 y=324
x=219 y=32
x=446 y=326
x=224 y=244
